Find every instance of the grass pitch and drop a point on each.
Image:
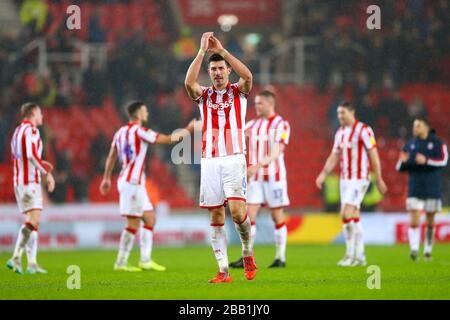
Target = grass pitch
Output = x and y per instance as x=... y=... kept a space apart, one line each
x=311 y=273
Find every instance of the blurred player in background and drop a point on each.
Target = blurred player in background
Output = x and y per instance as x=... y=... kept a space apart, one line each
x=223 y=165
x=130 y=145
x=423 y=158
x=26 y=150
x=269 y=136
x=355 y=148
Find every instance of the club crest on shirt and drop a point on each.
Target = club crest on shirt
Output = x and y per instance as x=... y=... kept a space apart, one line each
x=430 y=146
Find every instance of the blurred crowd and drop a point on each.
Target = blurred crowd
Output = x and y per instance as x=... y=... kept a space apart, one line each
x=413 y=44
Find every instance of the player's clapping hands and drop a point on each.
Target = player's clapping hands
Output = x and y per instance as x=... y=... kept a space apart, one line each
x=215 y=46
x=204 y=42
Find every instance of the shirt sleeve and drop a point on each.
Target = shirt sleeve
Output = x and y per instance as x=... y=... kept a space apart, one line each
x=115 y=141
x=148 y=135
x=403 y=166
x=283 y=132
x=368 y=138
x=199 y=99
x=337 y=143
x=441 y=158
x=249 y=125
x=31 y=139
x=236 y=87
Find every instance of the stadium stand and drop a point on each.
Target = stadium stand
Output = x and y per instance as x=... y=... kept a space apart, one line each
x=142 y=64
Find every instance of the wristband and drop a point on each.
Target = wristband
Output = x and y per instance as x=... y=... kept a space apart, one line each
x=201 y=52
x=223 y=53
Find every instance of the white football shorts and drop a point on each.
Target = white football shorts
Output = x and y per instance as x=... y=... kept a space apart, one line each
x=274 y=194
x=29 y=197
x=353 y=191
x=134 y=200
x=222 y=179
x=428 y=205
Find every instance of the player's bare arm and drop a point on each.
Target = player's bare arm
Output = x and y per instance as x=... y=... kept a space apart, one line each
x=376 y=165
x=49 y=176
x=330 y=164
x=105 y=185
x=178 y=135
x=193 y=88
x=246 y=78
x=276 y=150
x=46 y=168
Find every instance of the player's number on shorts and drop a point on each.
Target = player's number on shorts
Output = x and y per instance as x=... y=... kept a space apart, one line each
x=278 y=193
x=355 y=195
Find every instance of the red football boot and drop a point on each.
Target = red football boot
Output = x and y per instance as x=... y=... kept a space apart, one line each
x=250 y=267
x=221 y=277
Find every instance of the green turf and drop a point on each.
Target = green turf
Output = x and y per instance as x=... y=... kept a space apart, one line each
x=311 y=274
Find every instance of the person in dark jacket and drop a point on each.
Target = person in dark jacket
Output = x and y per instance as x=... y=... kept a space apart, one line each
x=423 y=158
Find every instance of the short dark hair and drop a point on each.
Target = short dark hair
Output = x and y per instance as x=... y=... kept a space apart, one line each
x=27 y=109
x=133 y=107
x=424 y=120
x=427 y=123
x=217 y=57
x=267 y=94
x=348 y=105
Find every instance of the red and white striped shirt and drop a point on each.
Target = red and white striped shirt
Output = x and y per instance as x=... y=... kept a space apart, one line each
x=352 y=143
x=131 y=143
x=26 y=151
x=263 y=134
x=223 y=115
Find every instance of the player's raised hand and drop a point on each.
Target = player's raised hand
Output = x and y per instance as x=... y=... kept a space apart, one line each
x=105 y=186
x=204 y=42
x=215 y=46
x=50 y=182
x=320 y=180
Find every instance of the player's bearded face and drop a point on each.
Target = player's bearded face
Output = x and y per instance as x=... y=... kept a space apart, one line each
x=219 y=73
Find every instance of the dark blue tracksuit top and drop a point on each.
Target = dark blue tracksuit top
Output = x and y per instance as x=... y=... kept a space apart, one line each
x=425 y=181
